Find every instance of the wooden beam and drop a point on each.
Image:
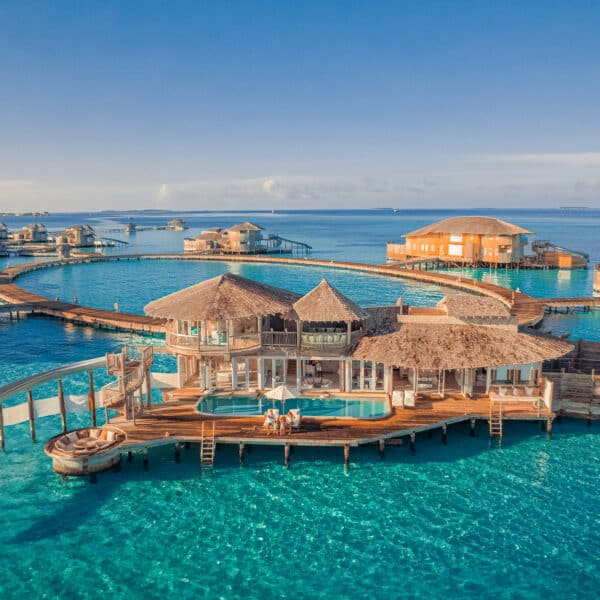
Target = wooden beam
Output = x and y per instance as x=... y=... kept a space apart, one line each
x=31 y=414
x=2 y=442
x=92 y=398
x=62 y=407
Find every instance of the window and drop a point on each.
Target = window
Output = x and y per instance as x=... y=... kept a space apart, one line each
x=456 y=237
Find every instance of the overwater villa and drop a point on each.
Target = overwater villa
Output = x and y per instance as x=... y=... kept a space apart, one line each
x=177 y=225
x=482 y=241
x=78 y=236
x=242 y=238
x=240 y=345
x=35 y=233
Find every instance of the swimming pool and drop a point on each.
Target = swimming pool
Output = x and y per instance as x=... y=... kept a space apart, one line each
x=338 y=406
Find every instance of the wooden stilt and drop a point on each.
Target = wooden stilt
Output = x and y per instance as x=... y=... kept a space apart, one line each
x=472 y=427
x=444 y=434
x=177 y=452
x=92 y=398
x=382 y=448
x=148 y=390
x=346 y=455
x=286 y=455
x=31 y=414
x=549 y=428
x=242 y=454
x=2 y=442
x=129 y=456
x=412 y=442
x=145 y=458
x=62 y=407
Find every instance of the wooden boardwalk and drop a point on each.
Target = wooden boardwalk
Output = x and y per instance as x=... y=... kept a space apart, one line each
x=527 y=310
x=553 y=304
x=178 y=421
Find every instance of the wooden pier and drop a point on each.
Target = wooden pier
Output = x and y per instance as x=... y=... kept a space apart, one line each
x=529 y=311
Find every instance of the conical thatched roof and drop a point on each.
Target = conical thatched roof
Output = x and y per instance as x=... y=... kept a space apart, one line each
x=479 y=225
x=326 y=304
x=223 y=297
x=427 y=346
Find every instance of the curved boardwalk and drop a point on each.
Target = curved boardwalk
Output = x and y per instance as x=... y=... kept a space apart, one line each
x=527 y=310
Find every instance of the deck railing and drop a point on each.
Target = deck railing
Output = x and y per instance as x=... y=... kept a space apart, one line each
x=279 y=338
x=220 y=344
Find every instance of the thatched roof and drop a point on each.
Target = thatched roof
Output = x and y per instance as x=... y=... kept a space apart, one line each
x=427 y=346
x=223 y=297
x=245 y=226
x=465 y=306
x=479 y=225
x=326 y=304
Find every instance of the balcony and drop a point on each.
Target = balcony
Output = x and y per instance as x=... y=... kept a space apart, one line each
x=217 y=343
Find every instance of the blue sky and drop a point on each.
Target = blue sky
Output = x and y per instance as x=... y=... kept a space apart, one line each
x=307 y=104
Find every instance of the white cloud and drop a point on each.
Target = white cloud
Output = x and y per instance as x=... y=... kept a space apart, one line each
x=572 y=159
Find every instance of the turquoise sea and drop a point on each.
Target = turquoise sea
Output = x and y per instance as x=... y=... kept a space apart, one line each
x=459 y=521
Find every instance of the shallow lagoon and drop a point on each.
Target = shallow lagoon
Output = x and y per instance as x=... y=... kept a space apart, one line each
x=461 y=521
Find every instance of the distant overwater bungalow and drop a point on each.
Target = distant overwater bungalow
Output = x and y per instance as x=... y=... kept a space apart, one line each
x=482 y=241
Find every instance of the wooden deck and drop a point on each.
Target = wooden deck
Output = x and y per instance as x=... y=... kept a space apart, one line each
x=178 y=421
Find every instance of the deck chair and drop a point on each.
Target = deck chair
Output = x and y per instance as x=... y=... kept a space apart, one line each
x=409 y=399
x=398 y=398
x=296 y=418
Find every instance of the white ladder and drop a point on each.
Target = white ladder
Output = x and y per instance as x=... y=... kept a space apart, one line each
x=495 y=421
x=207 y=446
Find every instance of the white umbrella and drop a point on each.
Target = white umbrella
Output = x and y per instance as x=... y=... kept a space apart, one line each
x=282 y=393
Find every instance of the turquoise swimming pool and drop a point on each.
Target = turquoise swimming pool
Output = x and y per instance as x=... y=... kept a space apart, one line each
x=338 y=406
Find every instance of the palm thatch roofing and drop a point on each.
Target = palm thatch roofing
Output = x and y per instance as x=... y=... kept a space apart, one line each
x=246 y=226
x=326 y=304
x=226 y=296
x=465 y=306
x=477 y=225
x=445 y=346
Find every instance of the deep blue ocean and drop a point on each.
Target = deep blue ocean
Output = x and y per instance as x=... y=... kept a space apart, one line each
x=459 y=521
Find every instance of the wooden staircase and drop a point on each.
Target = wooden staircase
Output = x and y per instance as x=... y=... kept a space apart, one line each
x=207 y=446
x=495 y=420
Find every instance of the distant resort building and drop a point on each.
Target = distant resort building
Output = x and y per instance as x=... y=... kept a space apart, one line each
x=481 y=241
x=78 y=236
x=177 y=225
x=30 y=234
x=243 y=238
x=3 y=232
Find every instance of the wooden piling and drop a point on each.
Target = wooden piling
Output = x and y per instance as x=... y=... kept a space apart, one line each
x=2 y=443
x=346 y=455
x=242 y=454
x=177 y=452
x=549 y=428
x=286 y=455
x=412 y=442
x=62 y=407
x=31 y=414
x=444 y=434
x=382 y=448
x=92 y=398
x=145 y=458
x=472 y=427
x=148 y=389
